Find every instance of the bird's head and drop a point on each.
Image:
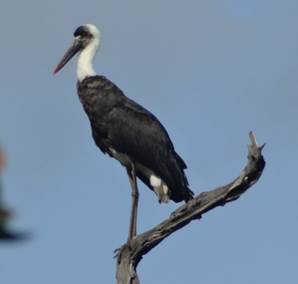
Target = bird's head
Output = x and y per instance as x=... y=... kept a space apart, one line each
x=84 y=36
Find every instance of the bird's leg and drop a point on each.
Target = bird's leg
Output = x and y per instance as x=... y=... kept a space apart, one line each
x=135 y=198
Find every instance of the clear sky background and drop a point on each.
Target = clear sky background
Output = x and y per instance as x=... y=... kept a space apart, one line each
x=211 y=71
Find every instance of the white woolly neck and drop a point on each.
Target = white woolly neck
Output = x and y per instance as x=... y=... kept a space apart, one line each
x=85 y=60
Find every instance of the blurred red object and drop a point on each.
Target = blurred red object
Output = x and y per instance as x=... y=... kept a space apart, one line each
x=2 y=160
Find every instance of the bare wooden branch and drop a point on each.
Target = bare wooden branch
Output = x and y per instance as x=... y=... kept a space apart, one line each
x=131 y=253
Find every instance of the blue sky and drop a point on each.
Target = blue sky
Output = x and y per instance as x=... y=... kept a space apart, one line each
x=211 y=71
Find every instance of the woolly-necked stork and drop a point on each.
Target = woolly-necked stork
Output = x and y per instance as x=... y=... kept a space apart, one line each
x=125 y=130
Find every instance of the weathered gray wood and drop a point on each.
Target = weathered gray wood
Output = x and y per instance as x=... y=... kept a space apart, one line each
x=131 y=253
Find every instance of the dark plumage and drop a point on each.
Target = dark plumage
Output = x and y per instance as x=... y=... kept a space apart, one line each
x=120 y=124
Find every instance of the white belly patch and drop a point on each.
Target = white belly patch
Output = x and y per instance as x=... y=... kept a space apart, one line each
x=160 y=189
x=159 y=186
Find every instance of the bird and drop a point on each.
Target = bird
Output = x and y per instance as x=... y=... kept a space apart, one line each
x=124 y=129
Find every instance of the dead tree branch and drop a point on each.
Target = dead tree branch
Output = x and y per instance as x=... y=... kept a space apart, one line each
x=130 y=254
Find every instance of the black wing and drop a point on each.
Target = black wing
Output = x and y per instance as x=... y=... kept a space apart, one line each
x=130 y=129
